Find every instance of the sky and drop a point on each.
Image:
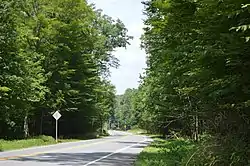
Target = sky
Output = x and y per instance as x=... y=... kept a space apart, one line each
x=133 y=58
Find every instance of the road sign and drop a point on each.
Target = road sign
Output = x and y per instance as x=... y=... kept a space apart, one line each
x=57 y=116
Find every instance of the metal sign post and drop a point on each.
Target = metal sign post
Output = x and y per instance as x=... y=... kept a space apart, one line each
x=57 y=116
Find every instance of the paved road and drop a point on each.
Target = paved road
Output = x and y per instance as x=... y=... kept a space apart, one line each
x=120 y=149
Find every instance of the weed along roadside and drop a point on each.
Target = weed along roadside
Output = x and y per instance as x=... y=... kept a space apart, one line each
x=161 y=152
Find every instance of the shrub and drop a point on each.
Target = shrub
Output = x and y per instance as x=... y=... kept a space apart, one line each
x=45 y=138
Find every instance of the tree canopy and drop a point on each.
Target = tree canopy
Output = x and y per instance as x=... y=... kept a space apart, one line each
x=56 y=55
x=197 y=77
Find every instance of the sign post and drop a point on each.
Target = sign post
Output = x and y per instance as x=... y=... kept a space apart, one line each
x=57 y=116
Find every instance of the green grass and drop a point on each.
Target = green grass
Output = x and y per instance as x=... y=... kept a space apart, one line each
x=42 y=140
x=37 y=141
x=137 y=131
x=165 y=153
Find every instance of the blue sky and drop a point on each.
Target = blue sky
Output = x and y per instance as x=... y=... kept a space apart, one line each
x=132 y=59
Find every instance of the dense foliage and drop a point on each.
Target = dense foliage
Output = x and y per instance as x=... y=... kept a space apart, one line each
x=56 y=55
x=162 y=152
x=125 y=115
x=197 y=80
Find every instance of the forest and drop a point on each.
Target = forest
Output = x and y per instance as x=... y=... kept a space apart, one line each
x=56 y=56
x=197 y=81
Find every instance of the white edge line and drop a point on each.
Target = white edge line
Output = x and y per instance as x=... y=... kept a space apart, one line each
x=43 y=146
x=3 y=154
x=117 y=151
x=52 y=145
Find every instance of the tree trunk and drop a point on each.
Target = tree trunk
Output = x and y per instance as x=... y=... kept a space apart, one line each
x=41 y=123
x=201 y=127
x=196 y=128
x=101 y=125
x=26 y=126
x=92 y=124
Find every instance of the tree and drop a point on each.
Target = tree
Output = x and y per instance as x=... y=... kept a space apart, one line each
x=125 y=114
x=196 y=78
x=24 y=76
x=56 y=55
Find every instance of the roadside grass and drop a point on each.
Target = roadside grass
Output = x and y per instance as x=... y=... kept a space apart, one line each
x=42 y=140
x=6 y=145
x=162 y=152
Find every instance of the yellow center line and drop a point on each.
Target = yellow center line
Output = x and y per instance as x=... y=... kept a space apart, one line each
x=61 y=149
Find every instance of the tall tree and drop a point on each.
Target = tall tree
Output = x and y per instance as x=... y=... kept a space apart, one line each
x=196 y=78
x=55 y=55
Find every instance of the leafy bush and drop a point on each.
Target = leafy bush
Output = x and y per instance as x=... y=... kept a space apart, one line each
x=46 y=138
x=90 y=135
x=165 y=152
x=216 y=151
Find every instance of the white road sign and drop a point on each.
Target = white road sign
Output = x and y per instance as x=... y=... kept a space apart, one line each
x=57 y=115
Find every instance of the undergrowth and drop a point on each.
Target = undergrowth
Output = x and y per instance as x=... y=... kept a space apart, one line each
x=165 y=152
x=209 y=151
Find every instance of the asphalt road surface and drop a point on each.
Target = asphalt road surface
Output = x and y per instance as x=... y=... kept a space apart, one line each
x=119 y=149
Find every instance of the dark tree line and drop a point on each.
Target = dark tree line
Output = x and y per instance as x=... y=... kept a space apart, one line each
x=56 y=55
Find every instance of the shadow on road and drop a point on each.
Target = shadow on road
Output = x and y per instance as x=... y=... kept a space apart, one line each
x=77 y=159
